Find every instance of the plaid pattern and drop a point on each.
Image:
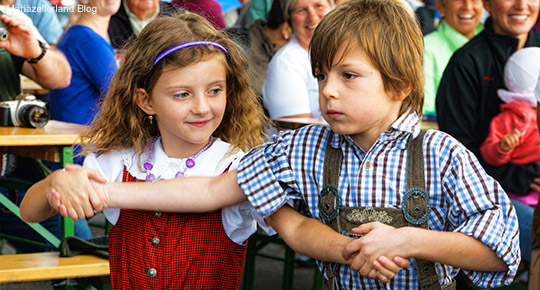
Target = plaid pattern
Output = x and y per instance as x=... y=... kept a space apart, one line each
x=194 y=252
x=463 y=197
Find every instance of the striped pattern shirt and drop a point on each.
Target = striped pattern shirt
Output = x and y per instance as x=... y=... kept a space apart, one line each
x=463 y=197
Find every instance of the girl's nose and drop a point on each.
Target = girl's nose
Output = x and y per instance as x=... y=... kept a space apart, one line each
x=201 y=105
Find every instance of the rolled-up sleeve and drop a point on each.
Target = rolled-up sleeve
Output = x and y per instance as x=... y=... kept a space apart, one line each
x=481 y=209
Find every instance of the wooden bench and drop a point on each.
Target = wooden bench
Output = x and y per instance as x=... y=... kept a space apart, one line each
x=49 y=266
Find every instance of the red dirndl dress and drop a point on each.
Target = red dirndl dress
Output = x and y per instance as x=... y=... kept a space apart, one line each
x=159 y=250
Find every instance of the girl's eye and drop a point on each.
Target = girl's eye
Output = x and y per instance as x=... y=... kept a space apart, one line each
x=215 y=91
x=181 y=95
x=321 y=77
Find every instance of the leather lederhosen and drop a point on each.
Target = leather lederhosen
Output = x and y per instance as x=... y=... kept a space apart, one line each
x=414 y=210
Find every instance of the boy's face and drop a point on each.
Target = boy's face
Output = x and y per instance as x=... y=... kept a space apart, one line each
x=353 y=99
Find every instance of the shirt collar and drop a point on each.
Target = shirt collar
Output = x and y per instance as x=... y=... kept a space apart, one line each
x=137 y=24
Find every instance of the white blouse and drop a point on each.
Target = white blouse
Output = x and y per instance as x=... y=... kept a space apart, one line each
x=239 y=221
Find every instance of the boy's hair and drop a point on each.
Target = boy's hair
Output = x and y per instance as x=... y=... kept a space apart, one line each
x=121 y=124
x=390 y=36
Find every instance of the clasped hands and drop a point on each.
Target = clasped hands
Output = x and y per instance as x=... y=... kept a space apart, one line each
x=79 y=193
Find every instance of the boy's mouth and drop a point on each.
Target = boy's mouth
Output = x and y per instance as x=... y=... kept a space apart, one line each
x=333 y=114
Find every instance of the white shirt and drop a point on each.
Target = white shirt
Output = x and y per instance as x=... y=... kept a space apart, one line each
x=137 y=24
x=239 y=221
x=290 y=88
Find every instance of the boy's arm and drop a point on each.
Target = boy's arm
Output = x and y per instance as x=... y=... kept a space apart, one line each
x=449 y=248
x=187 y=194
x=311 y=237
x=36 y=207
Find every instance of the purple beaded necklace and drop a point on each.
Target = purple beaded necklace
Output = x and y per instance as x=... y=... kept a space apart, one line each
x=190 y=162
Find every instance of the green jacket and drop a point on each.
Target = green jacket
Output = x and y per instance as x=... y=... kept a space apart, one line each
x=439 y=47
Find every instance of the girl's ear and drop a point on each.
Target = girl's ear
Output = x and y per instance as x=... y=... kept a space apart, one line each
x=144 y=101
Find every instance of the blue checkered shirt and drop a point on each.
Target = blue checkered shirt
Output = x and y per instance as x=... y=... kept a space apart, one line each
x=463 y=197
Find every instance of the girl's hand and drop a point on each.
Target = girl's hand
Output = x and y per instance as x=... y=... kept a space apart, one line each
x=72 y=193
x=510 y=140
x=378 y=240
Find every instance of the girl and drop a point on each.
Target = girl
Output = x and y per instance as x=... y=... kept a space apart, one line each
x=179 y=105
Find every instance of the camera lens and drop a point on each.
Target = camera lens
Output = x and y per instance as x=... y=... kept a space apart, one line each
x=33 y=116
x=4 y=34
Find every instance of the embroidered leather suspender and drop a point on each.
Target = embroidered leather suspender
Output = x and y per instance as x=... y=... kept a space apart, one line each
x=414 y=212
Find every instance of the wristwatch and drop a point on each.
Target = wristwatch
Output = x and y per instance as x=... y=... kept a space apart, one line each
x=44 y=48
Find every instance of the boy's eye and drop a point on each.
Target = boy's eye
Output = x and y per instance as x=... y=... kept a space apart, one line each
x=321 y=77
x=348 y=76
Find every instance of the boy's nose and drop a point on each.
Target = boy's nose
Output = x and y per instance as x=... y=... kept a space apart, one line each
x=327 y=89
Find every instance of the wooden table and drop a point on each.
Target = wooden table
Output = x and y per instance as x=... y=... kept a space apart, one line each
x=51 y=143
x=28 y=86
x=295 y=123
x=48 y=265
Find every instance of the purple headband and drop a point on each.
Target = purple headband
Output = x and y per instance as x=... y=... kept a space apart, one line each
x=188 y=44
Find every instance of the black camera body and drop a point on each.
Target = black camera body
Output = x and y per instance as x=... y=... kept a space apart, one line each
x=25 y=111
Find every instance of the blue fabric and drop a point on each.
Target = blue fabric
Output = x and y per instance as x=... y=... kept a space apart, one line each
x=463 y=197
x=44 y=17
x=525 y=219
x=93 y=64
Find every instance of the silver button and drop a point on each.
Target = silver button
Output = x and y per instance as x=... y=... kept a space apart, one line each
x=154 y=241
x=157 y=214
x=151 y=273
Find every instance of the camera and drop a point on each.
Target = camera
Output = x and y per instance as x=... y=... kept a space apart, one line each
x=4 y=34
x=25 y=111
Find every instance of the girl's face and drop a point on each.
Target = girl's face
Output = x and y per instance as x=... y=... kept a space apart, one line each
x=353 y=99
x=188 y=104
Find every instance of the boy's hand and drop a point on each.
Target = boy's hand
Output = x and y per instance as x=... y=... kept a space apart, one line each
x=510 y=140
x=72 y=193
x=385 y=269
x=378 y=240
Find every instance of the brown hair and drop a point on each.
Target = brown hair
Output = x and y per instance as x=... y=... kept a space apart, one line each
x=390 y=36
x=121 y=124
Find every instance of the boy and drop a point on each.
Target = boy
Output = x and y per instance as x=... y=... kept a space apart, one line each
x=371 y=98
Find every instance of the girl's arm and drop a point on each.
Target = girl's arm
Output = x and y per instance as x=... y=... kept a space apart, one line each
x=449 y=248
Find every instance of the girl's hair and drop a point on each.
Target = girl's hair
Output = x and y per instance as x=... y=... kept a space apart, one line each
x=121 y=124
x=390 y=36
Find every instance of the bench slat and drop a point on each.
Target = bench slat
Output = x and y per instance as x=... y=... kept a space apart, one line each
x=48 y=265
